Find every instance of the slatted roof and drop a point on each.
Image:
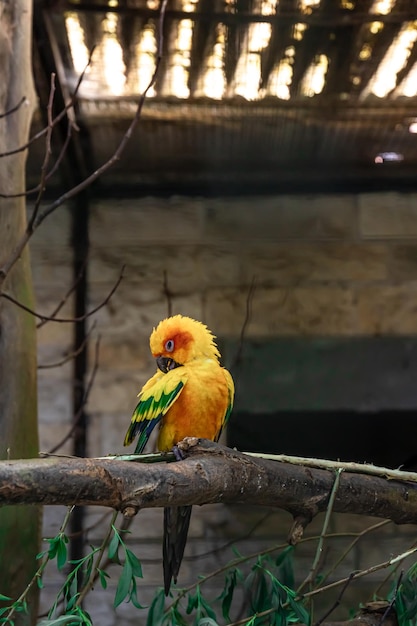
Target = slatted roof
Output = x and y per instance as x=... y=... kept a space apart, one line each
x=261 y=91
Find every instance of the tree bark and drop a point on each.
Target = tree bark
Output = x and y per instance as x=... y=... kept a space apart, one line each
x=211 y=473
x=19 y=530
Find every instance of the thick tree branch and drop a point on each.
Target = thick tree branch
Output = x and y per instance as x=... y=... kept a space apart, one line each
x=211 y=473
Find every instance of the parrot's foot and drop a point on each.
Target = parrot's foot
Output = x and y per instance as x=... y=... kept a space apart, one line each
x=178 y=453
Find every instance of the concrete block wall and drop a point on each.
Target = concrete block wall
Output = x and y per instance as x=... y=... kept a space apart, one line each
x=325 y=266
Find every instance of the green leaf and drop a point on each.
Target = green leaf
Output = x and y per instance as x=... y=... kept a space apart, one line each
x=123 y=586
x=176 y=618
x=135 y=563
x=53 y=547
x=227 y=594
x=103 y=576
x=207 y=609
x=88 y=565
x=259 y=593
x=4 y=598
x=192 y=603
x=299 y=609
x=286 y=567
x=207 y=621
x=71 y=602
x=40 y=555
x=113 y=548
x=236 y=552
x=156 y=610
x=282 y=556
x=133 y=597
x=62 y=619
x=61 y=554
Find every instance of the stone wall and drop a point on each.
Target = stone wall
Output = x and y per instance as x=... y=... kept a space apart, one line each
x=331 y=266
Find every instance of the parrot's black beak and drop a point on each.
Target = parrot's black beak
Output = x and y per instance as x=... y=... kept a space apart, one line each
x=165 y=364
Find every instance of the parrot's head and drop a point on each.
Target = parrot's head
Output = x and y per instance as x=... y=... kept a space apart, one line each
x=178 y=340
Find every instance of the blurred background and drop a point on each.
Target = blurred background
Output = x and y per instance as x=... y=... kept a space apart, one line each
x=269 y=190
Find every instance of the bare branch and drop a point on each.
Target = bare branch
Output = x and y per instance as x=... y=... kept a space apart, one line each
x=57 y=119
x=97 y=173
x=78 y=415
x=248 y=315
x=211 y=473
x=48 y=152
x=49 y=174
x=125 y=139
x=64 y=299
x=13 y=109
x=337 y=602
x=71 y=355
x=65 y=320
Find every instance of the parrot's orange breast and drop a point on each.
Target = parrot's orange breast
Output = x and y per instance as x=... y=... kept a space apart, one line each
x=200 y=409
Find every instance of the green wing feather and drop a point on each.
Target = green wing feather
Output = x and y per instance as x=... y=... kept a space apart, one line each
x=155 y=399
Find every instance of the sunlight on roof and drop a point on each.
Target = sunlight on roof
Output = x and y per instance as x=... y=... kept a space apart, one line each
x=145 y=54
x=213 y=82
x=366 y=52
x=396 y=57
x=315 y=77
x=408 y=87
x=280 y=80
x=306 y=6
x=248 y=71
x=177 y=73
x=79 y=52
x=112 y=54
x=382 y=6
x=189 y=5
x=268 y=7
x=375 y=27
x=299 y=30
x=107 y=74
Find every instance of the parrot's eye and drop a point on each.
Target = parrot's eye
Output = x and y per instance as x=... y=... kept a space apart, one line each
x=169 y=346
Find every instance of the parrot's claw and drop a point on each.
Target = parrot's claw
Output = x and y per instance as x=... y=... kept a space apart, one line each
x=179 y=455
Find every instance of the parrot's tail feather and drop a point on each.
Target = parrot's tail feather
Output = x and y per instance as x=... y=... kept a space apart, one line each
x=176 y=524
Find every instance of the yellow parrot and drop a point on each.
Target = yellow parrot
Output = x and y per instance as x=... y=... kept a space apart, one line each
x=191 y=395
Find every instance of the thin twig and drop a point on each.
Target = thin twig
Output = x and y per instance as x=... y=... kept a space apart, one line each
x=48 y=152
x=125 y=139
x=70 y=355
x=248 y=315
x=56 y=119
x=49 y=174
x=90 y=582
x=337 y=583
x=337 y=602
x=37 y=575
x=352 y=544
x=386 y=579
x=320 y=545
x=32 y=225
x=79 y=413
x=65 y=320
x=13 y=109
x=361 y=468
x=64 y=299
x=393 y=599
x=103 y=168
x=230 y=543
